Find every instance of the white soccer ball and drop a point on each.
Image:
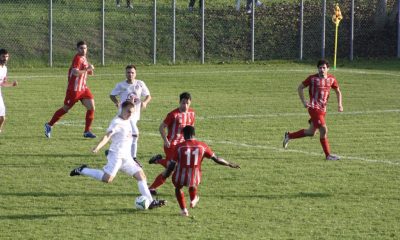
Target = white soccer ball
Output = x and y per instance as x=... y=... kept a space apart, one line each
x=142 y=203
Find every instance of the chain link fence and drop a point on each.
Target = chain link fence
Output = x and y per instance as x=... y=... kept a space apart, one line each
x=44 y=32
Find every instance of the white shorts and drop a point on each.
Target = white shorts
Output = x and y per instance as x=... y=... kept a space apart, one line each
x=125 y=164
x=2 y=107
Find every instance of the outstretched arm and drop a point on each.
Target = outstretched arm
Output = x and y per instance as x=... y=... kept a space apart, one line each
x=102 y=142
x=339 y=99
x=222 y=161
x=9 y=84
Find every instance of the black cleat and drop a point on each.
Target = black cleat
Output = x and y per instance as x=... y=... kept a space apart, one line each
x=157 y=203
x=155 y=159
x=106 y=152
x=77 y=171
x=153 y=191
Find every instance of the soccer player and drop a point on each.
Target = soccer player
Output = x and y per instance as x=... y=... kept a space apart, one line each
x=132 y=90
x=175 y=121
x=186 y=164
x=319 y=86
x=4 y=83
x=119 y=156
x=77 y=91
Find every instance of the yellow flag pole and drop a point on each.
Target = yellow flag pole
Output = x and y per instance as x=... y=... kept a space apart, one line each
x=336 y=20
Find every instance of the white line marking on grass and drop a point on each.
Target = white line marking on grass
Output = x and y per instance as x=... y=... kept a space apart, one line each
x=354 y=71
x=266 y=147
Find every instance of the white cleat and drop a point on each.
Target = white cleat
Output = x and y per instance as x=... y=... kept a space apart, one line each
x=332 y=158
x=194 y=202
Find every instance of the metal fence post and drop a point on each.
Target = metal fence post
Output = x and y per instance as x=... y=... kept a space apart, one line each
x=352 y=31
x=323 y=28
x=398 y=28
x=301 y=28
x=155 y=32
x=202 y=31
x=253 y=7
x=51 y=33
x=103 y=34
x=173 y=31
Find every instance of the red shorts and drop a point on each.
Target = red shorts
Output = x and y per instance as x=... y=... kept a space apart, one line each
x=317 y=117
x=71 y=97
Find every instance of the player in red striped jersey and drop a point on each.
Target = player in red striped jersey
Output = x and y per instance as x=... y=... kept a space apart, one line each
x=319 y=86
x=174 y=122
x=77 y=90
x=186 y=164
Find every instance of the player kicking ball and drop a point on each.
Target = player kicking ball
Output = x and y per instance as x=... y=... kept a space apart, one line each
x=186 y=167
x=319 y=86
x=119 y=155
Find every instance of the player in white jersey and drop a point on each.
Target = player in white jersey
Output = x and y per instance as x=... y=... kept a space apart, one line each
x=132 y=90
x=119 y=157
x=4 y=83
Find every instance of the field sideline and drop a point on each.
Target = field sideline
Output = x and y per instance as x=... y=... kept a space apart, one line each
x=242 y=112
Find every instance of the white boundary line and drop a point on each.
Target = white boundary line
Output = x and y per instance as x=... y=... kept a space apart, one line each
x=266 y=147
x=353 y=71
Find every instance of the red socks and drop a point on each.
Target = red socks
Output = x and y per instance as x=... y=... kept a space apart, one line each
x=57 y=116
x=325 y=146
x=89 y=119
x=298 y=134
x=160 y=180
x=180 y=196
x=192 y=193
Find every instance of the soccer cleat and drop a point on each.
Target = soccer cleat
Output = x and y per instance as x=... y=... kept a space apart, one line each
x=47 y=130
x=130 y=6
x=77 y=171
x=153 y=191
x=106 y=152
x=332 y=158
x=157 y=203
x=194 y=202
x=285 y=140
x=154 y=159
x=184 y=213
x=88 y=135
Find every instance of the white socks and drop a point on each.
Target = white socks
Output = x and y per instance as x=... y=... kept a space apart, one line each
x=144 y=189
x=94 y=173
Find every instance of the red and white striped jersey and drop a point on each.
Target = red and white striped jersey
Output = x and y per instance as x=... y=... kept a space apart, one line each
x=75 y=83
x=189 y=156
x=319 y=89
x=176 y=121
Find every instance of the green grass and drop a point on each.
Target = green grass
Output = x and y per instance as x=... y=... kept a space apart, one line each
x=242 y=112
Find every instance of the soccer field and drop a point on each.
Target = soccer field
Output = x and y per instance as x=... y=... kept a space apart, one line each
x=242 y=112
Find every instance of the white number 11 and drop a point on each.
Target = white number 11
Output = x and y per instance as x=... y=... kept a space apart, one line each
x=195 y=153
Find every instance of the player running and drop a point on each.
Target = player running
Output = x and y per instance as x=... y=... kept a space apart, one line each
x=186 y=163
x=4 y=83
x=175 y=121
x=119 y=156
x=77 y=90
x=319 y=86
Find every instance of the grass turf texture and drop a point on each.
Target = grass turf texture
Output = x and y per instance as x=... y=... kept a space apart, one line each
x=242 y=112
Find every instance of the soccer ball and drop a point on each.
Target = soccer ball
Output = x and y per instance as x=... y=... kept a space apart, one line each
x=142 y=203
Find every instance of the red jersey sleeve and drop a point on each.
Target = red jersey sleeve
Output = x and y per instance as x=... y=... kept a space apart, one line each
x=77 y=62
x=307 y=82
x=208 y=153
x=335 y=83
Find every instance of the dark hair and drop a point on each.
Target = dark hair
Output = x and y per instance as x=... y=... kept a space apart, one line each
x=127 y=104
x=80 y=43
x=322 y=62
x=185 y=95
x=188 y=132
x=130 y=66
x=3 y=51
